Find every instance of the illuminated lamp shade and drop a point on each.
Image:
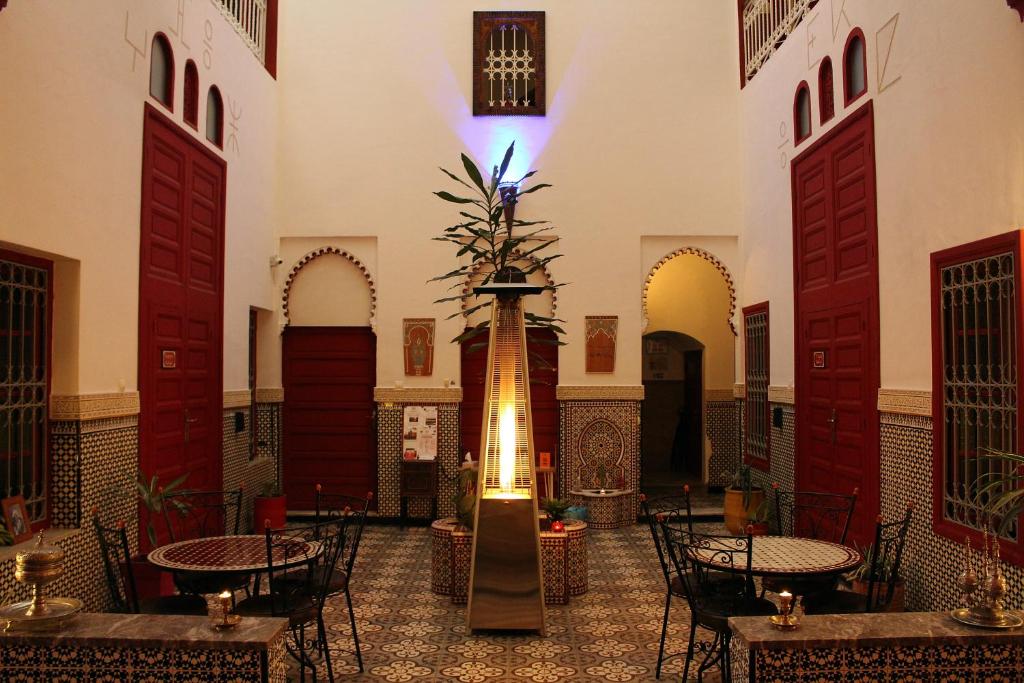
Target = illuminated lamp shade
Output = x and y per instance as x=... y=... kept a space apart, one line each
x=505 y=584
x=509 y=192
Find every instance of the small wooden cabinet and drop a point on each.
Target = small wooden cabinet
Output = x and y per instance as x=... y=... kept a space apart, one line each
x=417 y=479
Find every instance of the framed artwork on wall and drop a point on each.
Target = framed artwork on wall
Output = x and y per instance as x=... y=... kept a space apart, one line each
x=601 y=331
x=16 y=518
x=508 y=64
x=418 y=344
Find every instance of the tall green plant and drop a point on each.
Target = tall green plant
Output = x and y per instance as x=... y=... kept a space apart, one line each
x=999 y=490
x=484 y=237
x=154 y=498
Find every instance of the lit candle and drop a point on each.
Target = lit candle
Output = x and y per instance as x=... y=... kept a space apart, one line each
x=225 y=604
x=786 y=601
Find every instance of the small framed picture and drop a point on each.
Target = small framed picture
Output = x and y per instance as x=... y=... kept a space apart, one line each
x=16 y=518
x=545 y=459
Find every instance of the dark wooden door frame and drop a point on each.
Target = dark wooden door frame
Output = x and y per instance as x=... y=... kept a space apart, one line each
x=870 y=498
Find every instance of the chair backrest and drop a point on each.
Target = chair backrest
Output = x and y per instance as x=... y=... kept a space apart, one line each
x=201 y=514
x=689 y=551
x=666 y=509
x=354 y=509
x=311 y=546
x=886 y=558
x=809 y=514
x=117 y=565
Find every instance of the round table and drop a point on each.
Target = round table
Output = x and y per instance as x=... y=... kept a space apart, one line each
x=783 y=556
x=230 y=554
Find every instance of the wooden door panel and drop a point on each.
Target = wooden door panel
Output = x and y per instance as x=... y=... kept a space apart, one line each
x=329 y=374
x=180 y=306
x=836 y=302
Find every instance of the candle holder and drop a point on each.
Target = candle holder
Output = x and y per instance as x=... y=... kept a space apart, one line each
x=982 y=592
x=785 y=620
x=225 y=619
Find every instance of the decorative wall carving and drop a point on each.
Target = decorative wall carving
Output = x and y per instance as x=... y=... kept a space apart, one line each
x=237 y=398
x=94 y=406
x=418 y=346
x=569 y=392
x=312 y=256
x=905 y=402
x=707 y=256
x=601 y=332
x=270 y=395
x=417 y=395
x=781 y=395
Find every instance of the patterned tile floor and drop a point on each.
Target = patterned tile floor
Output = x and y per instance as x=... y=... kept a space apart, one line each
x=409 y=634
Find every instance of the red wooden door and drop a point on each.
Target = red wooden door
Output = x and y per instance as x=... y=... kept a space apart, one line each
x=180 y=306
x=329 y=374
x=836 y=300
x=543 y=402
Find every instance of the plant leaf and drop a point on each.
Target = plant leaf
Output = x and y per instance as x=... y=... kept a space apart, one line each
x=474 y=173
x=449 y=197
x=504 y=162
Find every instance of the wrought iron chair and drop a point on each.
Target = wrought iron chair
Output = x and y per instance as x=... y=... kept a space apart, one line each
x=117 y=564
x=299 y=595
x=675 y=510
x=884 y=559
x=710 y=609
x=201 y=514
x=810 y=514
x=353 y=509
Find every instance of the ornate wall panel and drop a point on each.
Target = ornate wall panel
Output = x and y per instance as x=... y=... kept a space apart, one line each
x=596 y=432
x=389 y=455
x=720 y=425
x=239 y=469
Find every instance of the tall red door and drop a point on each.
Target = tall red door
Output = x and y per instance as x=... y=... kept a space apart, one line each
x=328 y=375
x=181 y=302
x=543 y=402
x=835 y=240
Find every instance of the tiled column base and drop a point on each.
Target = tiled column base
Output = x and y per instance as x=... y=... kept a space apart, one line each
x=563 y=558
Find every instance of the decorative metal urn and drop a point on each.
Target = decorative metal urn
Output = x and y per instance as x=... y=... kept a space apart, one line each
x=982 y=591
x=506 y=589
x=38 y=566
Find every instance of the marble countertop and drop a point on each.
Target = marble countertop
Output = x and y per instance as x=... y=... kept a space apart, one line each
x=153 y=631
x=867 y=630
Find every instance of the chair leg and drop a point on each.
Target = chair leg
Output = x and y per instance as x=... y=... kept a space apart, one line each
x=725 y=659
x=664 y=630
x=708 y=659
x=689 y=648
x=355 y=635
x=324 y=645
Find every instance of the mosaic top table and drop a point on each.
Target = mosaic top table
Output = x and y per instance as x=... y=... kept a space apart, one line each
x=229 y=554
x=785 y=557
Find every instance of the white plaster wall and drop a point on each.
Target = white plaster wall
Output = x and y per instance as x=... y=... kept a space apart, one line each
x=947 y=89
x=74 y=78
x=640 y=139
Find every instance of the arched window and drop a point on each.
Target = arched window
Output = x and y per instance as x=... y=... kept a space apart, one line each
x=855 y=67
x=161 y=71
x=215 y=117
x=826 y=93
x=191 y=94
x=802 y=113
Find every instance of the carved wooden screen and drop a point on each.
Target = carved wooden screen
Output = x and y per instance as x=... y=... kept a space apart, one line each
x=508 y=63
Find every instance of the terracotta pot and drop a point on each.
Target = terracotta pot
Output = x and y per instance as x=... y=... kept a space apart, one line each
x=898 y=603
x=736 y=515
x=272 y=508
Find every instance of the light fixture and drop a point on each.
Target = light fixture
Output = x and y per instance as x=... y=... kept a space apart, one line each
x=509 y=192
x=506 y=588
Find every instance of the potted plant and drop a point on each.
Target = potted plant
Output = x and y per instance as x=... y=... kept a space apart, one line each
x=270 y=505
x=150 y=581
x=742 y=499
x=760 y=522
x=859 y=578
x=465 y=496
x=555 y=509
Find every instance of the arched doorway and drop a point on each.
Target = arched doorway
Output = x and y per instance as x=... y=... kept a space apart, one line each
x=673 y=376
x=688 y=359
x=329 y=369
